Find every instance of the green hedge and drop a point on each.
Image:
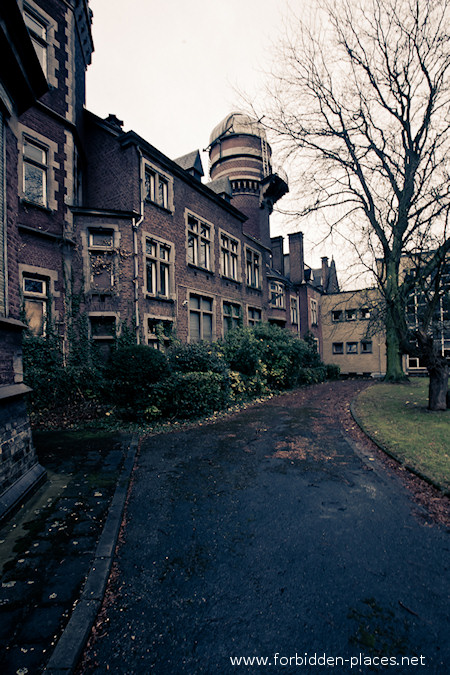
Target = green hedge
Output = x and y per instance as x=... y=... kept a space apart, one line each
x=185 y=395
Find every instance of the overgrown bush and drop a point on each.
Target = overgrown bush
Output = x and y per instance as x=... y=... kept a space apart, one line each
x=44 y=370
x=184 y=395
x=200 y=357
x=130 y=375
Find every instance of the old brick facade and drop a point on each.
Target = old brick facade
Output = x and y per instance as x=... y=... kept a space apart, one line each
x=97 y=221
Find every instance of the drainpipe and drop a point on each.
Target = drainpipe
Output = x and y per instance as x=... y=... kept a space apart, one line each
x=135 y=226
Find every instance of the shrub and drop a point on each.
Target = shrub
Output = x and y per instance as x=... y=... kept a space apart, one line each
x=130 y=375
x=242 y=351
x=186 y=395
x=200 y=357
x=333 y=371
x=44 y=370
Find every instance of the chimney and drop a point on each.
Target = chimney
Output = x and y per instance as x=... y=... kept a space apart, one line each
x=324 y=274
x=276 y=244
x=296 y=261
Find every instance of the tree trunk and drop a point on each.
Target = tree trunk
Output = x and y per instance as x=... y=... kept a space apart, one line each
x=437 y=391
x=437 y=367
x=394 y=366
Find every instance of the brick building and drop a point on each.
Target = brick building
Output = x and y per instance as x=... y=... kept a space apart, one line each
x=98 y=222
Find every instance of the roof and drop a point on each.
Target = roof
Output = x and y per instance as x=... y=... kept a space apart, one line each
x=237 y=123
x=191 y=162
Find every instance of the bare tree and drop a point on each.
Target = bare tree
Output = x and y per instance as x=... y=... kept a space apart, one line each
x=362 y=97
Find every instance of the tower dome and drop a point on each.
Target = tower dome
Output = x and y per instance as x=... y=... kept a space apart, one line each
x=239 y=152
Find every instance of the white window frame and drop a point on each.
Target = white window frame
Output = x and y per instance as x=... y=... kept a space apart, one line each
x=351 y=347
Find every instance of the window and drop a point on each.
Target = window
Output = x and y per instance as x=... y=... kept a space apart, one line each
x=337 y=315
x=158 y=264
x=231 y=316
x=294 y=311
x=159 y=332
x=229 y=257
x=350 y=314
x=277 y=297
x=365 y=313
x=366 y=346
x=253 y=268
x=352 y=347
x=103 y=327
x=338 y=348
x=156 y=188
x=101 y=258
x=200 y=318
x=199 y=242
x=34 y=172
x=414 y=362
x=38 y=34
x=314 y=318
x=254 y=316
x=35 y=303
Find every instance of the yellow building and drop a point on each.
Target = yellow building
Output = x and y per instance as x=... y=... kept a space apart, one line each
x=353 y=336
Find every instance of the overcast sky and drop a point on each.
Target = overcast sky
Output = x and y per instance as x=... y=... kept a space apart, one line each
x=173 y=69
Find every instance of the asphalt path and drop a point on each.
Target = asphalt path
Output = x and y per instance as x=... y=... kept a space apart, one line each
x=270 y=534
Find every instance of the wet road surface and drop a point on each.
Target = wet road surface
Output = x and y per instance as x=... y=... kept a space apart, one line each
x=270 y=533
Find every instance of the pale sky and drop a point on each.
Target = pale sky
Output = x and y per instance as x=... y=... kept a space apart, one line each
x=173 y=69
x=169 y=69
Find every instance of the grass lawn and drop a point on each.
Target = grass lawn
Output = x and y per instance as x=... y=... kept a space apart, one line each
x=396 y=415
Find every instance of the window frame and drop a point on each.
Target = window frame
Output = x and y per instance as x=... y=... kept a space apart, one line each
x=294 y=313
x=253 y=268
x=41 y=166
x=160 y=264
x=337 y=347
x=277 y=295
x=199 y=245
x=159 y=342
x=314 y=309
x=112 y=317
x=366 y=347
x=42 y=298
x=160 y=192
x=228 y=318
x=97 y=250
x=252 y=320
x=40 y=42
x=230 y=260
x=351 y=347
x=201 y=312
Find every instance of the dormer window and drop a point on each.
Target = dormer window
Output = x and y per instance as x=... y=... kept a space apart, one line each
x=37 y=29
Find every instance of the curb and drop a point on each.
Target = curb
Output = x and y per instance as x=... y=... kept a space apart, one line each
x=389 y=453
x=70 y=645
